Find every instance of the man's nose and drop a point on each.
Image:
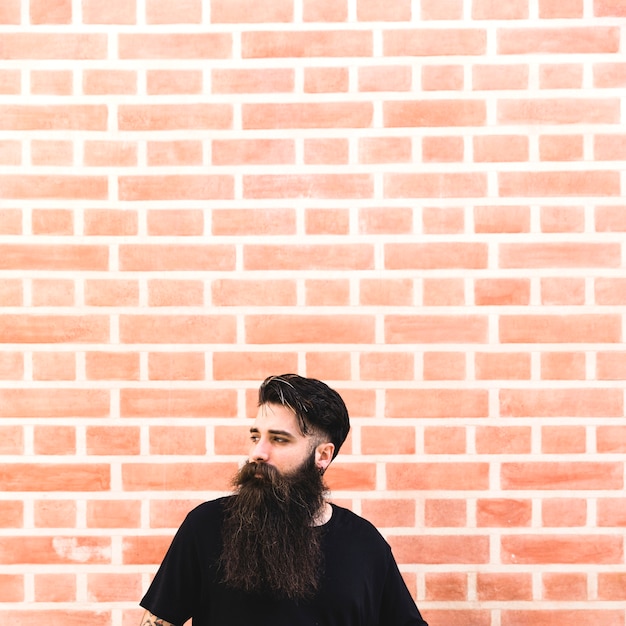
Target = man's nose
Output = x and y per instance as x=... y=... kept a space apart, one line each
x=259 y=452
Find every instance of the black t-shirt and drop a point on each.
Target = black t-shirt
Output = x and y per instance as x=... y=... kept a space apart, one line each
x=362 y=585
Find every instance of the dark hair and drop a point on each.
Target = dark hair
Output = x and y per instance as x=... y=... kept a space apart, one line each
x=317 y=407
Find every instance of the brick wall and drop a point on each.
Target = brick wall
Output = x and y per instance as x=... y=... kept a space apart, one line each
x=418 y=202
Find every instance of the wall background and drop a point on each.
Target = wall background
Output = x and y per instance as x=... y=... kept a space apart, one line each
x=418 y=202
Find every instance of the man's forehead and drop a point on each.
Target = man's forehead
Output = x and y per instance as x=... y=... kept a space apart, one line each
x=277 y=417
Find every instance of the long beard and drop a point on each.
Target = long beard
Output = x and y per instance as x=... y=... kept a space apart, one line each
x=270 y=542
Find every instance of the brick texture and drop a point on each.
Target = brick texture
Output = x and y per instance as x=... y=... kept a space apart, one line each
x=420 y=202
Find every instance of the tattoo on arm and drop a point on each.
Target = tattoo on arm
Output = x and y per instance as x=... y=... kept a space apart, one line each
x=152 y=620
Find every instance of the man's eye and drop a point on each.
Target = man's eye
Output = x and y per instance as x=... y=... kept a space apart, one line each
x=254 y=438
x=280 y=440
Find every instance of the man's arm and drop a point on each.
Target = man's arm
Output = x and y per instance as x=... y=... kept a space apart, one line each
x=149 y=619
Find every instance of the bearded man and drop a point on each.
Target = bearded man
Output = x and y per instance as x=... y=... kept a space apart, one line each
x=277 y=552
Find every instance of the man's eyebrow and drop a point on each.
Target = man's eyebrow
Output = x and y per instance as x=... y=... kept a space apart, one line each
x=273 y=431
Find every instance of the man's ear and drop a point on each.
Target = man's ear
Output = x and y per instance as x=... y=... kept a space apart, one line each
x=324 y=454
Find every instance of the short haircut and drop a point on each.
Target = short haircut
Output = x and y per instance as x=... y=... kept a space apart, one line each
x=317 y=407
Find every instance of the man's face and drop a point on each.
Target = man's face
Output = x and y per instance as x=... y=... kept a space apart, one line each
x=276 y=439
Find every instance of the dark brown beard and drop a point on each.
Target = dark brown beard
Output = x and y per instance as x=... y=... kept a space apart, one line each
x=270 y=542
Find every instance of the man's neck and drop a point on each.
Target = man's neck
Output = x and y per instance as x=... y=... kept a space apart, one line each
x=324 y=515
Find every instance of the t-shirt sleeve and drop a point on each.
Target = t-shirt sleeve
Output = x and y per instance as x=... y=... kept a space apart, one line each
x=173 y=593
x=397 y=607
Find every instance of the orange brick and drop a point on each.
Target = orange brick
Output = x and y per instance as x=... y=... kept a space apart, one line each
x=385 y=150
x=176 y=187
x=54 y=328
x=325 y=10
x=385 y=78
x=11 y=588
x=350 y=477
x=286 y=329
x=110 y=153
x=563 y=439
x=11 y=440
x=327 y=365
x=444 y=366
x=175 y=46
x=611 y=512
x=115 y=440
x=112 y=365
x=173 y=11
x=502 y=366
x=58 y=12
x=446 y=586
x=610 y=291
x=57 y=440
x=441 y=9
x=561 y=402
x=437 y=476
x=191 y=329
x=385 y=292
x=307 y=257
x=561 y=76
x=41 y=477
x=435 y=329
x=611 y=438
x=51 y=83
x=388 y=440
x=499 y=77
x=557 y=9
x=565 y=475
x=443 y=292
x=562 y=586
x=563 y=366
x=562 y=291
x=57 y=187
x=326 y=79
x=111 y=222
x=167 y=403
x=10 y=80
x=441 y=549
x=390 y=513
x=442 y=78
x=502 y=291
x=429 y=185
x=177 y=476
x=167 y=82
x=179 y=440
x=308 y=44
x=55 y=587
x=447 y=440
x=324 y=186
x=564 y=512
x=494 y=10
x=109 y=82
x=53 y=293
x=500 y=148
x=165 y=153
x=608 y=8
x=52 y=153
x=176 y=366
x=555 y=549
x=55 y=513
x=503 y=513
x=252 y=152
x=11 y=363
x=562 y=219
x=435 y=256
x=559 y=329
x=442 y=149
x=529 y=184
x=609 y=147
x=113 y=514
x=170 y=513
x=105 y=587
x=175 y=222
x=504 y=587
x=261 y=80
x=570 y=40
x=10 y=154
x=232 y=440
x=327 y=222
x=327 y=292
x=608 y=75
x=113 y=12
x=434 y=42
x=389 y=220
x=153 y=117
x=176 y=257
x=111 y=292
x=232 y=292
x=503 y=439
x=612 y=586
x=12 y=514
x=251 y=221
x=434 y=113
x=440 y=221
x=326 y=151
x=611 y=365
x=283 y=116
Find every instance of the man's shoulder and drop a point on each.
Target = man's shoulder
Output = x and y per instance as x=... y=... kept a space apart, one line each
x=207 y=513
x=349 y=520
